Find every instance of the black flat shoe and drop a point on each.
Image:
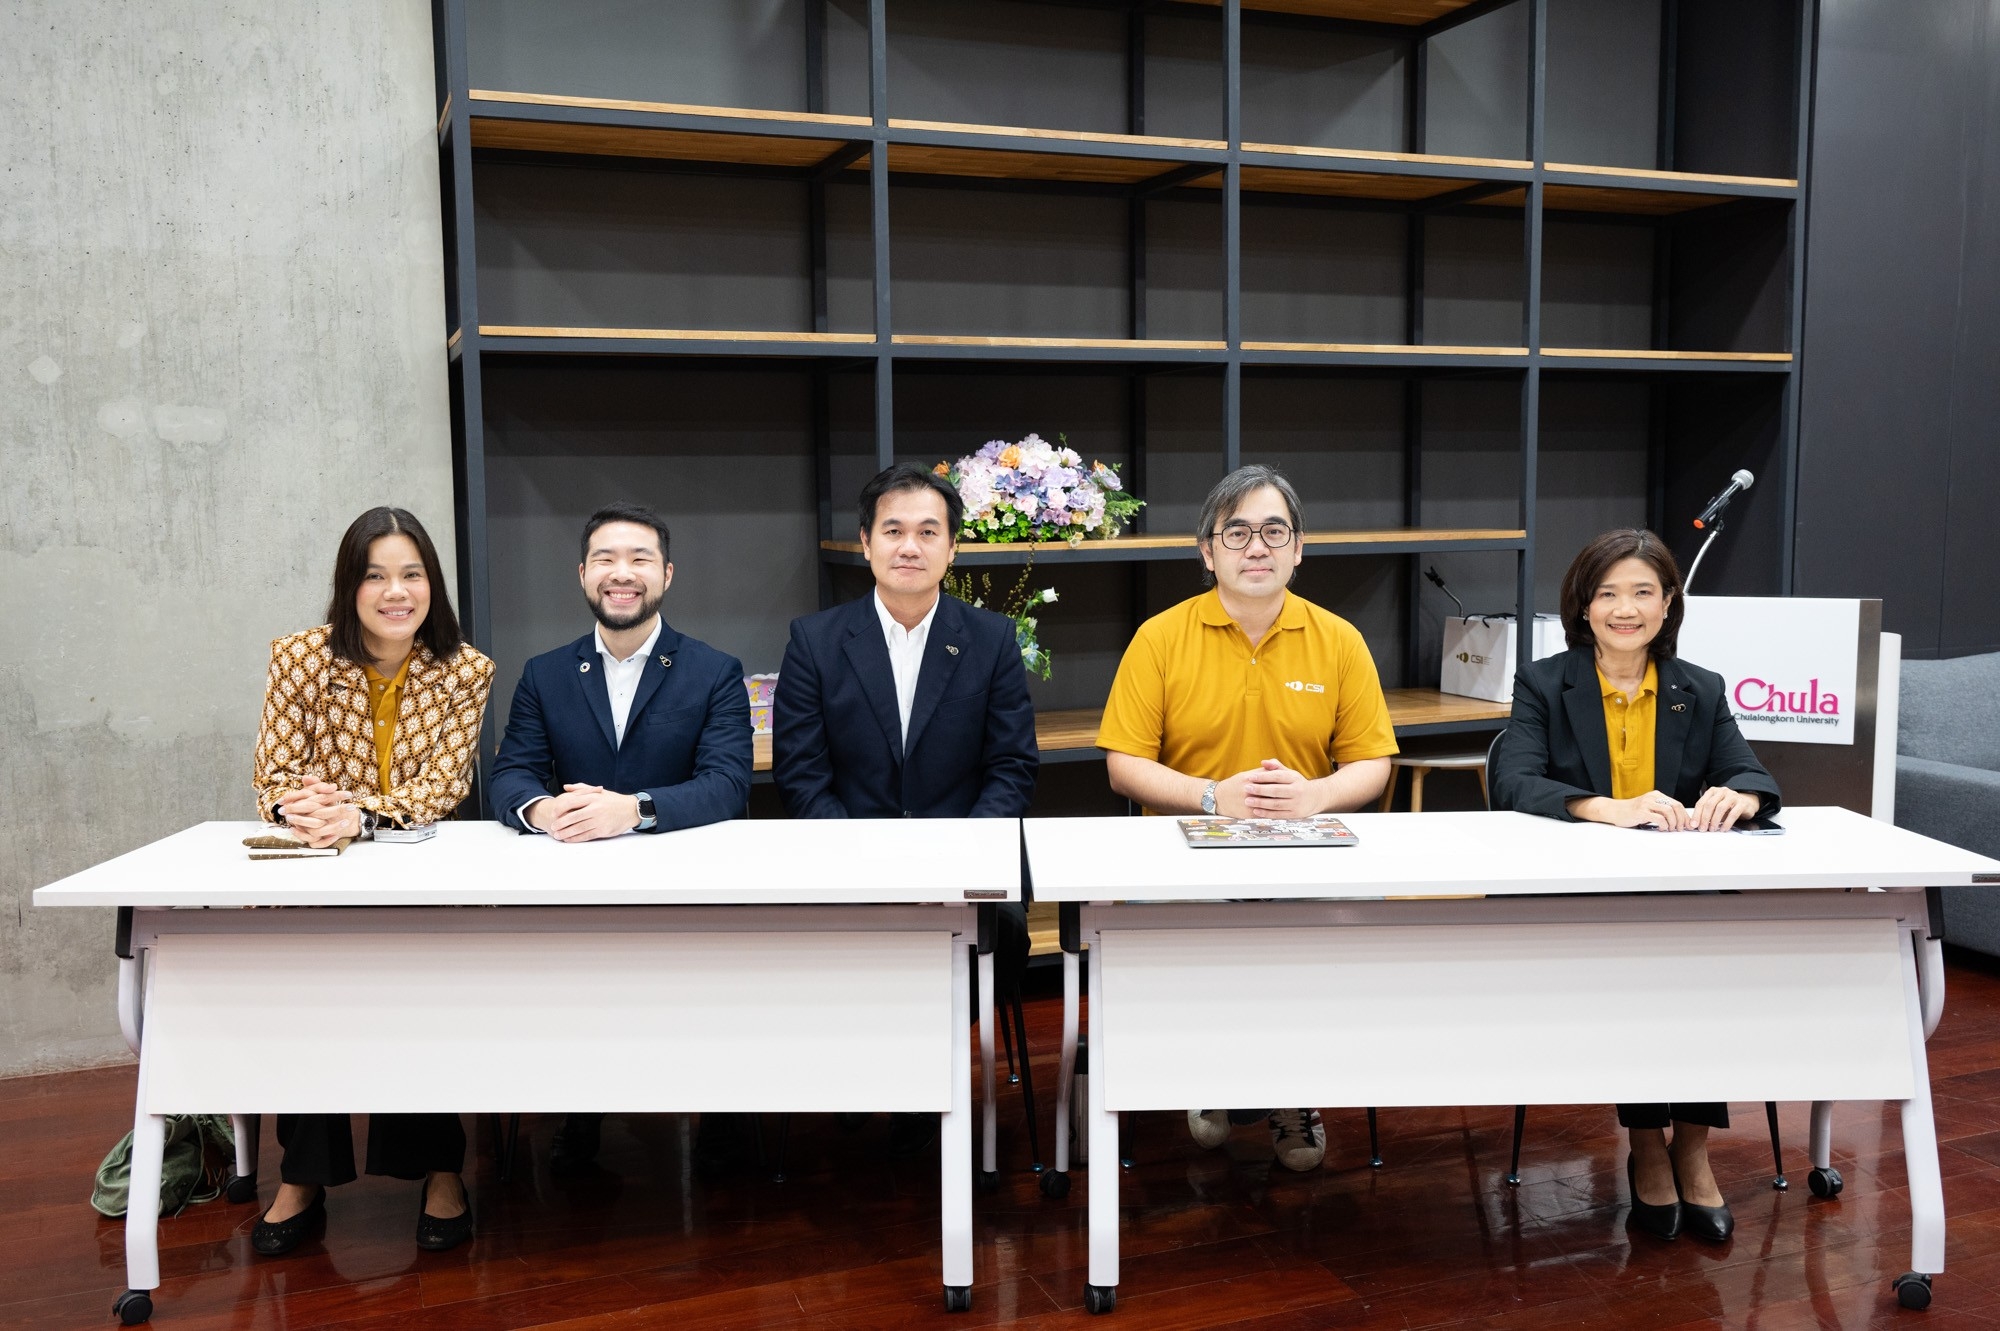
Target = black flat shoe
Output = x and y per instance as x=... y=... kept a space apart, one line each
x=438 y=1235
x=575 y=1146
x=1712 y=1224
x=1662 y=1222
x=270 y=1239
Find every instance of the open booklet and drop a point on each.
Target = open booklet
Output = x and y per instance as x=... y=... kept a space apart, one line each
x=285 y=846
x=1324 y=830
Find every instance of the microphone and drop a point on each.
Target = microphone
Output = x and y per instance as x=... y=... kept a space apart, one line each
x=1742 y=480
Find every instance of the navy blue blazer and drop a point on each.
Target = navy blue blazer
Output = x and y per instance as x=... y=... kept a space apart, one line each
x=687 y=739
x=1557 y=749
x=837 y=746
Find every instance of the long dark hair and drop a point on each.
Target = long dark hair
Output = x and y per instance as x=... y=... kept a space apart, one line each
x=439 y=631
x=1595 y=560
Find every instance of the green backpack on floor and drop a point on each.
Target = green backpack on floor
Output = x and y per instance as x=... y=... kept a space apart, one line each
x=200 y=1148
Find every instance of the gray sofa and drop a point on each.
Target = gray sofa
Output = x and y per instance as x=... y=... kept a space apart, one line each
x=1948 y=777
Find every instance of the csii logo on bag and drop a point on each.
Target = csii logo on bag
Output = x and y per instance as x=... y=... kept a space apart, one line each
x=1473 y=658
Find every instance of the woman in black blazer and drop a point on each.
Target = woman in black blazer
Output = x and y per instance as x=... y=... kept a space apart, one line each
x=1619 y=730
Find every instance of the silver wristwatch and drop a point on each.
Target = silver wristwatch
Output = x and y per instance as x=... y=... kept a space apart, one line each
x=1208 y=799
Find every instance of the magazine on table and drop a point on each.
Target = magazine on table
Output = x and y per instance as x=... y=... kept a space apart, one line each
x=1323 y=830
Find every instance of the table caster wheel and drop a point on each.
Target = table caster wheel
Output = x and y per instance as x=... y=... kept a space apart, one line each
x=1100 y=1298
x=1913 y=1290
x=1055 y=1184
x=133 y=1307
x=241 y=1188
x=957 y=1298
x=1825 y=1182
x=989 y=1181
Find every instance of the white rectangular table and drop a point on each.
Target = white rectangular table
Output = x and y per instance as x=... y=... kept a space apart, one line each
x=743 y=967
x=1597 y=965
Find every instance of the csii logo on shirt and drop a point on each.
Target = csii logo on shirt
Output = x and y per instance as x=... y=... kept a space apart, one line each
x=1300 y=686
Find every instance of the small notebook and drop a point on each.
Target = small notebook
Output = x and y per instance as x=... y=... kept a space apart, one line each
x=279 y=846
x=1325 y=830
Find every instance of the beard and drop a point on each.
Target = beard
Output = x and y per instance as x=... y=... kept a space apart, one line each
x=649 y=605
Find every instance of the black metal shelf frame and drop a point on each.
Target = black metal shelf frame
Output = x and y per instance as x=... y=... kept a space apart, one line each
x=849 y=139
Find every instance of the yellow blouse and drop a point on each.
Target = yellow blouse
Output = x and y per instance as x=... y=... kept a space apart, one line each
x=386 y=697
x=1629 y=724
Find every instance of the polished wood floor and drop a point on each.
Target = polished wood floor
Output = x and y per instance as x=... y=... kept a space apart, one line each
x=1212 y=1239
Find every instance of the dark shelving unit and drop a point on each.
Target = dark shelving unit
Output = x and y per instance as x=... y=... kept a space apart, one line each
x=1484 y=277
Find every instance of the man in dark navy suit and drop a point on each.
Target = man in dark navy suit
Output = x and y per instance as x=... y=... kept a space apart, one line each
x=631 y=728
x=907 y=703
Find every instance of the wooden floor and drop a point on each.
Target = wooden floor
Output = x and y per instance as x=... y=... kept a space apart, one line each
x=1212 y=1239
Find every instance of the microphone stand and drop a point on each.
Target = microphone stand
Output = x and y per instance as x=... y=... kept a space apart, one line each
x=1714 y=530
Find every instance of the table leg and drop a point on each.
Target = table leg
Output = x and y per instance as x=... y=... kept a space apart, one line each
x=1920 y=1157
x=128 y=1001
x=1930 y=979
x=990 y=1116
x=142 y=1207
x=955 y=1143
x=1102 y=1291
x=242 y=1187
x=1066 y=1070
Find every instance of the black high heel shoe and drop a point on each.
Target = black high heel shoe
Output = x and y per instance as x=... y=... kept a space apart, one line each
x=1713 y=1224
x=1662 y=1222
x=271 y=1239
x=435 y=1234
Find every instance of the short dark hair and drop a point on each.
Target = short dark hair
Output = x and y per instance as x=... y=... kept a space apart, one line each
x=909 y=476
x=1228 y=496
x=637 y=514
x=439 y=631
x=1587 y=570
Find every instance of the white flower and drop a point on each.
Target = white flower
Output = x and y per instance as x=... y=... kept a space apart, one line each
x=1049 y=595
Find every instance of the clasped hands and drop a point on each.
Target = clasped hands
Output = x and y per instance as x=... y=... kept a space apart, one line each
x=1718 y=810
x=1269 y=790
x=585 y=813
x=320 y=813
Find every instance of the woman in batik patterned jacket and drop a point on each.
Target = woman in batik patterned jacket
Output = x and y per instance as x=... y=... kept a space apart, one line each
x=371 y=719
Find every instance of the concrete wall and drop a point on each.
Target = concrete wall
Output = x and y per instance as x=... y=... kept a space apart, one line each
x=221 y=338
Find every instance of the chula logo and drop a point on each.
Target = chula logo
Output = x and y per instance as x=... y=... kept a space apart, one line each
x=1755 y=695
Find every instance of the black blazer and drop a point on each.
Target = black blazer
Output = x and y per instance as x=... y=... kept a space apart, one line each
x=687 y=739
x=837 y=747
x=1556 y=748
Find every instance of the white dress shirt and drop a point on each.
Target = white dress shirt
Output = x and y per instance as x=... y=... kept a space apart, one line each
x=906 y=655
x=621 y=679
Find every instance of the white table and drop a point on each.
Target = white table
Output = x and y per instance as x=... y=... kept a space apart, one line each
x=743 y=967
x=1598 y=965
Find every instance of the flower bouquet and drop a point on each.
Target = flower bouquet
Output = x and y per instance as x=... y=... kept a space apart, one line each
x=1038 y=491
x=1019 y=605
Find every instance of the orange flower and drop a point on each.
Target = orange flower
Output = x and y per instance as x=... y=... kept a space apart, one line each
x=941 y=469
x=1010 y=456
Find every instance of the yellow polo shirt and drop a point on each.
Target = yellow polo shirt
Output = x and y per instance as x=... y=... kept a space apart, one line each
x=385 y=697
x=1629 y=725
x=1193 y=693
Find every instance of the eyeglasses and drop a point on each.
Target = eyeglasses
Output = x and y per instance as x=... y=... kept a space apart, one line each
x=1274 y=535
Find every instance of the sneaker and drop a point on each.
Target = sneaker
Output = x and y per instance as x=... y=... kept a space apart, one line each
x=1208 y=1127
x=1298 y=1137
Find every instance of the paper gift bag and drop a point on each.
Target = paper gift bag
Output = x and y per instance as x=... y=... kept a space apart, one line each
x=1479 y=654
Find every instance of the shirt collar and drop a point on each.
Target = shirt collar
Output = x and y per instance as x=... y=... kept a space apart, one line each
x=1209 y=608
x=889 y=625
x=1650 y=684
x=402 y=672
x=645 y=648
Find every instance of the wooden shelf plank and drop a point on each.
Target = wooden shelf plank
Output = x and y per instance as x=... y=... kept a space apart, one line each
x=1079 y=343
x=1612 y=353
x=1145 y=547
x=677 y=334
x=1061 y=135
x=993 y=164
x=1371 y=155
x=1679 y=177
x=1345 y=184
x=548 y=136
x=661 y=108
x=1382 y=349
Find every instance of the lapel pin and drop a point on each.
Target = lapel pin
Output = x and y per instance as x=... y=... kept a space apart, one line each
x=583 y=668
x=666 y=661
x=953 y=650
x=1678 y=707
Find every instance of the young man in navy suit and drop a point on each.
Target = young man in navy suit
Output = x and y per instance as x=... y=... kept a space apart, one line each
x=908 y=703
x=631 y=728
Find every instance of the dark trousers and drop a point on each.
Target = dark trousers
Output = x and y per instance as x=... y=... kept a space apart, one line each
x=1658 y=1116
x=319 y=1148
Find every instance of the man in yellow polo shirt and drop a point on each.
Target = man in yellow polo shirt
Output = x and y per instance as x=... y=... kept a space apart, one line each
x=1251 y=702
